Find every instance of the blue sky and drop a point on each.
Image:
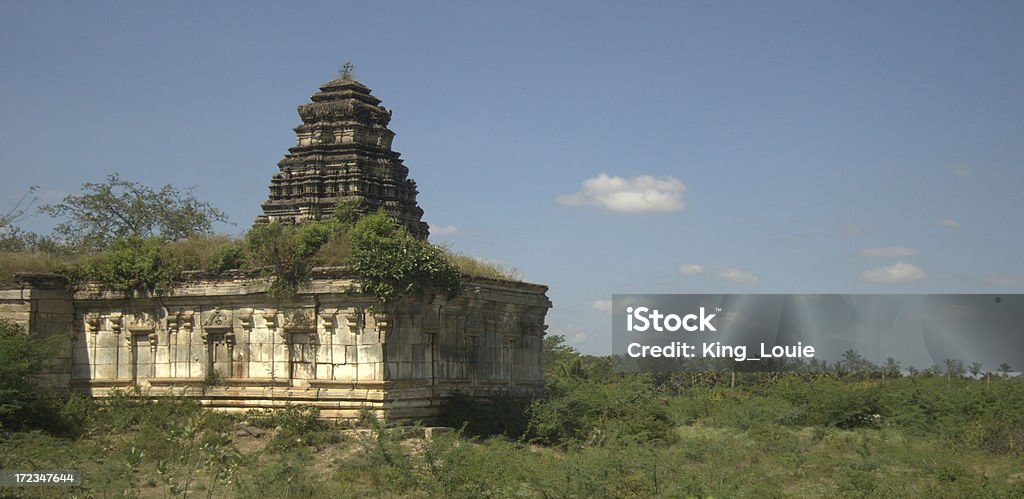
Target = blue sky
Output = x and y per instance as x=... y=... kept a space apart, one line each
x=747 y=147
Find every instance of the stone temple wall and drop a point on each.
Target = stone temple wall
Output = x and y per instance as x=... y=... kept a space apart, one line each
x=223 y=340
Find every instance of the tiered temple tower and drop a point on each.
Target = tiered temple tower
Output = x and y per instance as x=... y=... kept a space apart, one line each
x=343 y=151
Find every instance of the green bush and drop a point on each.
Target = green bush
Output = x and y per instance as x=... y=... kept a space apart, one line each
x=22 y=402
x=195 y=253
x=274 y=248
x=130 y=264
x=577 y=411
x=506 y=416
x=453 y=468
x=829 y=402
x=392 y=264
x=227 y=256
x=295 y=426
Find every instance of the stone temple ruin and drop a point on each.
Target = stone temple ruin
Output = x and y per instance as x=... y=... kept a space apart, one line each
x=222 y=339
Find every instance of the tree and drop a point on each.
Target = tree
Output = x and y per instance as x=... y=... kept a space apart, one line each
x=891 y=368
x=556 y=355
x=20 y=210
x=954 y=367
x=1004 y=368
x=21 y=357
x=132 y=264
x=975 y=368
x=853 y=362
x=118 y=209
x=13 y=238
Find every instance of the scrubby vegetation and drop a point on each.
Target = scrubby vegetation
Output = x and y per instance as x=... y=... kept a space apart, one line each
x=591 y=433
x=134 y=238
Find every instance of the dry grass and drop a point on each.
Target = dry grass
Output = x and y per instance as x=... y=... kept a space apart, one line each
x=11 y=262
x=478 y=267
x=194 y=253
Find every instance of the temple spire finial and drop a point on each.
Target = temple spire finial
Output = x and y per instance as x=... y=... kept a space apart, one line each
x=346 y=71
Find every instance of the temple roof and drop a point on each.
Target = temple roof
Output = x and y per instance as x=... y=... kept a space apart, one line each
x=343 y=151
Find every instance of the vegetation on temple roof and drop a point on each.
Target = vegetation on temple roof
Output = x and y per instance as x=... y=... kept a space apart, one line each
x=131 y=245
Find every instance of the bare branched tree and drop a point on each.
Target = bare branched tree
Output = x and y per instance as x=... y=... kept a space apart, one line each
x=20 y=210
x=119 y=208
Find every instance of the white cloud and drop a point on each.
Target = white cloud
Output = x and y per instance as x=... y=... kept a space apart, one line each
x=574 y=334
x=1007 y=280
x=851 y=230
x=735 y=275
x=643 y=194
x=897 y=272
x=720 y=272
x=888 y=252
x=952 y=224
x=447 y=230
x=961 y=170
x=604 y=306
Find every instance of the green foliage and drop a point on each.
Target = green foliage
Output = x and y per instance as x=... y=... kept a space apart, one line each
x=275 y=248
x=227 y=256
x=287 y=253
x=577 y=411
x=832 y=402
x=135 y=238
x=195 y=253
x=346 y=212
x=21 y=357
x=563 y=361
x=504 y=415
x=752 y=441
x=200 y=447
x=393 y=264
x=120 y=209
x=132 y=264
x=24 y=403
x=16 y=240
x=295 y=425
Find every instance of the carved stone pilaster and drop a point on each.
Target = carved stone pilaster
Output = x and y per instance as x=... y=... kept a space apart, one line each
x=116 y=322
x=382 y=321
x=327 y=321
x=356 y=320
x=246 y=321
x=181 y=320
x=270 y=317
x=430 y=319
x=475 y=323
x=93 y=323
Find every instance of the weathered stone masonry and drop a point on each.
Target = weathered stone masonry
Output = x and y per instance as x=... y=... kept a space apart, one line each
x=220 y=338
